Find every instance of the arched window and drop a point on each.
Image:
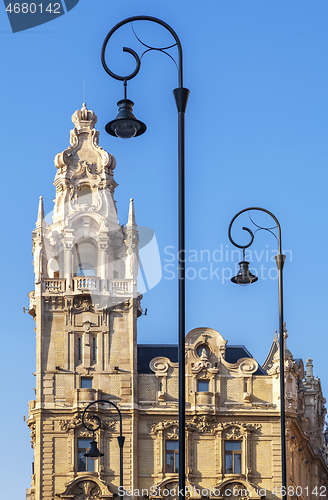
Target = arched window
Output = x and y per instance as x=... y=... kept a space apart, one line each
x=85 y=195
x=85 y=259
x=53 y=268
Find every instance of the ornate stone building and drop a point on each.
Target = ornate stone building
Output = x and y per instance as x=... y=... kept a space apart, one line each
x=85 y=305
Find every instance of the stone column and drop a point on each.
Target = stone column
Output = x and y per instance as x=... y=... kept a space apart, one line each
x=68 y=256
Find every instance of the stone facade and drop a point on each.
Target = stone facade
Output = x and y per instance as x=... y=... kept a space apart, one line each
x=85 y=305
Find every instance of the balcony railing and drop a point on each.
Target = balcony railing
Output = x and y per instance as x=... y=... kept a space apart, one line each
x=120 y=286
x=54 y=285
x=88 y=283
x=84 y=283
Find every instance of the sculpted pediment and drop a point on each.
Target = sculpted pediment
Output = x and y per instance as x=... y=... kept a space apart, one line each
x=86 y=488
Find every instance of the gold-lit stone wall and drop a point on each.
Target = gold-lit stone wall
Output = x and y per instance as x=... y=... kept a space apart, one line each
x=86 y=314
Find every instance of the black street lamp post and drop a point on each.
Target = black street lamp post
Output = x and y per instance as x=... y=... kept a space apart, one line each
x=244 y=277
x=125 y=125
x=93 y=452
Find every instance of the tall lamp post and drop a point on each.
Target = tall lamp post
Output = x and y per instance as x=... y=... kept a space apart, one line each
x=245 y=277
x=125 y=126
x=93 y=452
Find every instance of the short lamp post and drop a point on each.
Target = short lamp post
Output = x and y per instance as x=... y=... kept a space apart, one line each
x=245 y=277
x=125 y=125
x=93 y=452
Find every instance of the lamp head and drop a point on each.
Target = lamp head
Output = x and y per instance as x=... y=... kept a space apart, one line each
x=125 y=125
x=244 y=276
x=93 y=452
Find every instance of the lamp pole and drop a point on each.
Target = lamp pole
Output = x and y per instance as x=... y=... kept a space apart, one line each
x=94 y=453
x=245 y=277
x=125 y=125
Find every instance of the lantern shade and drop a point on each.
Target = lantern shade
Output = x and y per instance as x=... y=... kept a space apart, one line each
x=244 y=276
x=125 y=125
x=93 y=452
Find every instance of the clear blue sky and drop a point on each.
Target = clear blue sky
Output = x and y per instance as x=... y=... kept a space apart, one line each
x=257 y=130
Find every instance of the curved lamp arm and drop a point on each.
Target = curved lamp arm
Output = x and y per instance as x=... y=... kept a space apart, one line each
x=134 y=54
x=250 y=232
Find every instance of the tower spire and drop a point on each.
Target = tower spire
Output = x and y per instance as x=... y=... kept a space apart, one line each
x=40 y=212
x=131 y=218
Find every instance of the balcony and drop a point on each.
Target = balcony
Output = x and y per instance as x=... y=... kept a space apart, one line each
x=54 y=285
x=121 y=287
x=86 y=283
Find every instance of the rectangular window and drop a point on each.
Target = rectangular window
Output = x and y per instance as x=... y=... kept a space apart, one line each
x=86 y=383
x=202 y=386
x=84 y=463
x=172 y=456
x=232 y=453
x=79 y=349
x=94 y=348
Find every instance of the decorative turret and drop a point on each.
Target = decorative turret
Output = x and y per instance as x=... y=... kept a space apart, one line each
x=84 y=180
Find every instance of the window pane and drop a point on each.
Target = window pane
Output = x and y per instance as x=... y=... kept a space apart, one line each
x=233 y=445
x=84 y=463
x=202 y=385
x=237 y=463
x=228 y=463
x=177 y=462
x=86 y=383
x=172 y=445
x=169 y=462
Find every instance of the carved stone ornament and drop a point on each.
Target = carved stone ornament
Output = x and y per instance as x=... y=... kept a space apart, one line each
x=86 y=489
x=32 y=426
x=83 y=304
x=243 y=365
x=203 y=423
x=235 y=430
x=199 y=423
x=160 y=365
x=162 y=426
x=233 y=433
x=76 y=421
x=235 y=490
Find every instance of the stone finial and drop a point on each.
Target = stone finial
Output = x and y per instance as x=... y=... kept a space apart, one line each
x=131 y=218
x=309 y=369
x=40 y=212
x=84 y=117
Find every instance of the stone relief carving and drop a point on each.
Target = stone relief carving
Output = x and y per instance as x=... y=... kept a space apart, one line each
x=235 y=490
x=86 y=490
x=76 y=421
x=233 y=430
x=32 y=426
x=200 y=423
x=83 y=304
x=160 y=365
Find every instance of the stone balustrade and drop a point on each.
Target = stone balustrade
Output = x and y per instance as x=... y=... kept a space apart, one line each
x=88 y=283
x=85 y=283
x=54 y=285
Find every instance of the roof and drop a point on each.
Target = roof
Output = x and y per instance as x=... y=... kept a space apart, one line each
x=146 y=352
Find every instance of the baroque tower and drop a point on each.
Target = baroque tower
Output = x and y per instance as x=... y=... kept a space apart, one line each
x=85 y=306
